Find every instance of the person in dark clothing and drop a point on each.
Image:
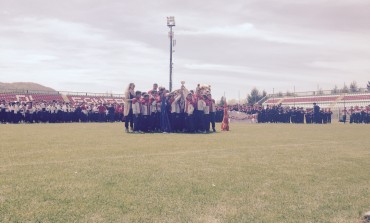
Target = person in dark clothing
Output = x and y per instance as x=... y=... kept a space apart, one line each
x=316 y=113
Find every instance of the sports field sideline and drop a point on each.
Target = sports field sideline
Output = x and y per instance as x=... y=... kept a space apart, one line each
x=254 y=173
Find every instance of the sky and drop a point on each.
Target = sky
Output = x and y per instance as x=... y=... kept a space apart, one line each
x=234 y=46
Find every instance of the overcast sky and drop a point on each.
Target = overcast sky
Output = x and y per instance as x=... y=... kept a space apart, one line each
x=102 y=45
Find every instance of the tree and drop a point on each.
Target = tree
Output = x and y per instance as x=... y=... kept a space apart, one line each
x=345 y=89
x=264 y=93
x=222 y=101
x=288 y=93
x=280 y=94
x=368 y=86
x=254 y=97
x=335 y=90
x=320 y=91
x=353 y=87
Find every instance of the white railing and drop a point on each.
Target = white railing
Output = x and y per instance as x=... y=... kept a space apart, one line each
x=23 y=91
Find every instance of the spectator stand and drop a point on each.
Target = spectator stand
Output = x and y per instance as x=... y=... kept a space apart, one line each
x=11 y=95
x=325 y=99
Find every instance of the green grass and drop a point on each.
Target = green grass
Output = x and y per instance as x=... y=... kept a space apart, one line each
x=254 y=173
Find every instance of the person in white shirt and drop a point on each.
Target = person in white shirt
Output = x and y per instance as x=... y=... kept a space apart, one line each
x=154 y=117
x=22 y=112
x=175 y=112
x=189 y=114
x=136 y=111
x=37 y=114
x=95 y=113
x=30 y=110
x=2 y=112
x=59 y=112
x=42 y=112
x=206 y=114
x=15 y=112
x=64 y=112
x=199 y=119
x=89 y=112
x=146 y=114
x=212 y=112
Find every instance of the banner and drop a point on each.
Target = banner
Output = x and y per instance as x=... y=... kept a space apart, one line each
x=95 y=100
x=236 y=116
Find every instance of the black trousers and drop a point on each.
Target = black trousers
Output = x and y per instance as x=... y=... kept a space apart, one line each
x=189 y=123
x=174 y=122
x=137 y=123
x=207 y=120
x=2 y=116
x=199 y=120
x=155 y=121
x=212 y=116
x=129 y=119
x=145 y=123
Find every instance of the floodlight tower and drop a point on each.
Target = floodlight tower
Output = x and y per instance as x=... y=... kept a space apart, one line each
x=170 y=24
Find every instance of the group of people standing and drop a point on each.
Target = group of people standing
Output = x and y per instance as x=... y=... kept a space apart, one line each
x=357 y=115
x=59 y=112
x=159 y=110
x=297 y=115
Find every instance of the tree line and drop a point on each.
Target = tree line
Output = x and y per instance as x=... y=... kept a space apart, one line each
x=256 y=96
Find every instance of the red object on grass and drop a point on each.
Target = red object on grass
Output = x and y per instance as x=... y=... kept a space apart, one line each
x=225 y=121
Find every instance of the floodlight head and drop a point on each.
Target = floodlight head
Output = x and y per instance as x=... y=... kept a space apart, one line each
x=171 y=21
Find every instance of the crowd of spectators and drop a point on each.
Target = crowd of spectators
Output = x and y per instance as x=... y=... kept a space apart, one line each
x=281 y=114
x=357 y=115
x=63 y=112
x=59 y=112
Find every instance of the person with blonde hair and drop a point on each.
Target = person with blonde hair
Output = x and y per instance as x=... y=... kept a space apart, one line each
x=127 y=110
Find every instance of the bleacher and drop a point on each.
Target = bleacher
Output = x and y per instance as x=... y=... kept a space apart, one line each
x=30 y=97
x=72 y=97
x=310 y=99
x=325 y=99
x=357 y=97
x=273 y=100
x=94 y=99
x=360 y=100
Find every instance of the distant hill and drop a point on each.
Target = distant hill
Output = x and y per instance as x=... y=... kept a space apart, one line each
x=25 y=86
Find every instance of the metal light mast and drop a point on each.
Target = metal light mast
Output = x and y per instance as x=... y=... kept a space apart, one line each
x=170 y=24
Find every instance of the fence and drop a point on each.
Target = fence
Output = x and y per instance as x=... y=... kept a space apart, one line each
x=23 y=91
x=317 y=93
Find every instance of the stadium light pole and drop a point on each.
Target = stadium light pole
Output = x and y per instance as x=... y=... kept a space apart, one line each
x=170 y=24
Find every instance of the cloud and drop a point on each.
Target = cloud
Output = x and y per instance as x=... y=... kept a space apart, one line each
x=218 y=67
x=351 y=66
x=102 y=46
x=57 y=50
x=248 y=30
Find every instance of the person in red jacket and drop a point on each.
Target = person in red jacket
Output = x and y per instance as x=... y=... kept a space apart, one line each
x=102 y=112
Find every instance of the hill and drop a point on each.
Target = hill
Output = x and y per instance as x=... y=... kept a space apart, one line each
x=24 y=86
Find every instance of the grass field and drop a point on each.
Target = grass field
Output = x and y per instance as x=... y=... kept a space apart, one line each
x=254 y=173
